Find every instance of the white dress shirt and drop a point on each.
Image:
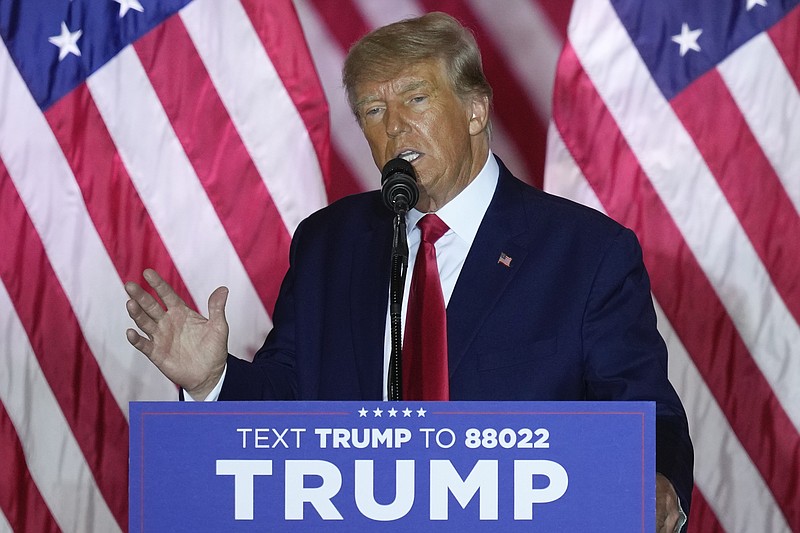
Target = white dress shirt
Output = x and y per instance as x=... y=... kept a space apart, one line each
x=463 y=215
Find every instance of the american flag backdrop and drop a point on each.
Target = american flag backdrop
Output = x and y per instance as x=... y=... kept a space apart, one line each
x=193 y=136
x=681 y=119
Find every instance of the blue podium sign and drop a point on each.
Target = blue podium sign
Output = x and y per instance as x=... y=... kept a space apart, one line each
x=385 y=467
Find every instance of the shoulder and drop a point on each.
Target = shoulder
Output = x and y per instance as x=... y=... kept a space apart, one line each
x=344 y=219
x=363 y=207
x=557 y=215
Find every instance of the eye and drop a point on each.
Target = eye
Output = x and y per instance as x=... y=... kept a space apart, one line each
x=418 y=99
x=372 y=112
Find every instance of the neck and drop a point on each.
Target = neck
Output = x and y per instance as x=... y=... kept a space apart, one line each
x=433 y=202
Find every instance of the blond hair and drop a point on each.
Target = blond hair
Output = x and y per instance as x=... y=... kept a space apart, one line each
x=385 y=52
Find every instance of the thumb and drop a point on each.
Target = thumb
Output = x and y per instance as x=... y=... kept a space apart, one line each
x=216 y=304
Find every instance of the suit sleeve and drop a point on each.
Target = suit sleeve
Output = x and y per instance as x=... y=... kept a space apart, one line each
x=271 y=375
x=626 y=358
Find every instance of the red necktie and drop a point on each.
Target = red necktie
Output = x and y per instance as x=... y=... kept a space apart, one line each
x=425 y=375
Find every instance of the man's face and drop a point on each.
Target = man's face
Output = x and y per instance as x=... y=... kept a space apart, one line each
x=418 y=117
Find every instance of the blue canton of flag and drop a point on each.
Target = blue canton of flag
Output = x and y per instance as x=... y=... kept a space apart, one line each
x=83 y=36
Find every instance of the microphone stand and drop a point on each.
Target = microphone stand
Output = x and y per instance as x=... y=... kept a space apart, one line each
x=397 y=283
x=400 y=193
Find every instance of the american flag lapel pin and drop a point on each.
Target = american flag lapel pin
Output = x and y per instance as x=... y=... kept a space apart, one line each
x=504 y=260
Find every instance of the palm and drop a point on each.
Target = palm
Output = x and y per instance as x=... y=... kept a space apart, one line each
x=185 y=343
x=187 y=347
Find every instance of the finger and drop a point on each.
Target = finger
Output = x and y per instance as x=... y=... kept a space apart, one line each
x=216 y=304
x=140 y=343
x=145 y=300
x=163 y=289
x=143 y=321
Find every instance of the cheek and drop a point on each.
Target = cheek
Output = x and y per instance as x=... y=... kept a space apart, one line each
x=377 y=144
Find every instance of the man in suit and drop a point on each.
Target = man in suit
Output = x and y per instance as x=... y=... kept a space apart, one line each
x=546 y=299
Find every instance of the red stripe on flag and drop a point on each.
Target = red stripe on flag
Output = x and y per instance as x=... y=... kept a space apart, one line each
x=20 y=499
x=702 y=518
x=90 y=409
x=786 y=36
x=279 y=29
x=113 y=204
x=747 y=179
x=342 y=20
x=511 y=103
x=711 y=338
x=218 y=155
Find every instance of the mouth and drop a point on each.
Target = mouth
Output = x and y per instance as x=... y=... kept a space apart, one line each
x=409 y=155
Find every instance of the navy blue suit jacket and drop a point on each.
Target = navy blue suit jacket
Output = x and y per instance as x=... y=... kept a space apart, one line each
x=571 y=317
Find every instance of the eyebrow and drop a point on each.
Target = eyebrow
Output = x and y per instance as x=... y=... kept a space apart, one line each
x=408 y=87
x=413 y=86
x=366 y=100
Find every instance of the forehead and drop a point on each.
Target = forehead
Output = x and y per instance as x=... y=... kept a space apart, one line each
x=427 y=74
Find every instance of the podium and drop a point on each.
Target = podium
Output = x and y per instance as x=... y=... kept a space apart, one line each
x=392 y=466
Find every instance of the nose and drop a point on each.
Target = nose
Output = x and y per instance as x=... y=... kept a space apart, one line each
x=395 y=121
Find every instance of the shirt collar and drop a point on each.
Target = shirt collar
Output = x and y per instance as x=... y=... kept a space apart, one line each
x=464 y=213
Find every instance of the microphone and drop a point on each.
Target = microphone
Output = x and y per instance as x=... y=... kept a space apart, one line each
x=399 y=185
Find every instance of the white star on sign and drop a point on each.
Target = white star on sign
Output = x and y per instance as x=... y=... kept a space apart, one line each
x=406 y=412
x=392 y=412
x=421 y=413
x=126 y=5
x=753 y=3
x=67 y=42
x=687 y=39
x=362 y=413
x=377 y=411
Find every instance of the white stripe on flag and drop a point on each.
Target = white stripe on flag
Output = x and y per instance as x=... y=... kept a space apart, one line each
x=562 y=175
x=53 y=457
x=259 y=106
x=760 y=315
x=770 y=102
x=55 y=205
x=175 y=199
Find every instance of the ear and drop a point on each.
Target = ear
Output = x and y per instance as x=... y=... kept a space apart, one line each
x=479 y=114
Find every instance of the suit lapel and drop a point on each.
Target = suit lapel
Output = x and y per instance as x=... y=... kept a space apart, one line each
x=369 y=290
x=483 y=277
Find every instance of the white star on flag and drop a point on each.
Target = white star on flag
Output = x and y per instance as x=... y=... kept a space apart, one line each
x=67 y=42
x=126 y=5
x=687 y=39
x=753 y=3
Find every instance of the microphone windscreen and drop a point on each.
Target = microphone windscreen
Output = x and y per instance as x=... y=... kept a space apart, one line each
x=396 y=165
x=399 y=185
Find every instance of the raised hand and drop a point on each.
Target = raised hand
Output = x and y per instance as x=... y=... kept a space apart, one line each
x=187 y=347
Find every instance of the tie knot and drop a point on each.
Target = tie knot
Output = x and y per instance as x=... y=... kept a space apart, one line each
x=432 y=228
